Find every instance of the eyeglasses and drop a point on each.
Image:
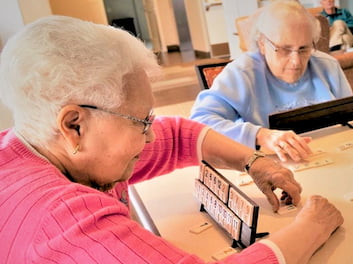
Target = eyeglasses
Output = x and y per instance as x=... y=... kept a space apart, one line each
x=286 y=52
x=147 y=122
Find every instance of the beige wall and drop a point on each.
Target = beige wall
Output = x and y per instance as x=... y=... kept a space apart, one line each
x=33 y=9
x=89 y=10
x=10 y=22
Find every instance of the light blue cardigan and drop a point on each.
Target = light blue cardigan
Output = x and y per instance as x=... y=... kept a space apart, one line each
x=245 y=93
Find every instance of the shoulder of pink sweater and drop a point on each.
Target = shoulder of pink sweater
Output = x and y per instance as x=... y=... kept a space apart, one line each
x=175 y=123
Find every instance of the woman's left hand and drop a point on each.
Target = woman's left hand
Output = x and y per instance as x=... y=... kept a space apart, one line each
x=285 y=143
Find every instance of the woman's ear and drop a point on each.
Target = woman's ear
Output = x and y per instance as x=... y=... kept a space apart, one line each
x=261 y=45
x=69 y=122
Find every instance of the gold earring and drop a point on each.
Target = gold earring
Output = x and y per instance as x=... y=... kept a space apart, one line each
x=76 y=149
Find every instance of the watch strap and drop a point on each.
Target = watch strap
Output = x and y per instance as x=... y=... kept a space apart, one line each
x=253 y=158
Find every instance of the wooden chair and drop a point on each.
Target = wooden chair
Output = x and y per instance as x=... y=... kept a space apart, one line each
x=243 y=26
x=315 y=10
x=206 y=73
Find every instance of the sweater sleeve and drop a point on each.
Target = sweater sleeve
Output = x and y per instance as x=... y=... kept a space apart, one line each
x=88 y=227
x=177 y=145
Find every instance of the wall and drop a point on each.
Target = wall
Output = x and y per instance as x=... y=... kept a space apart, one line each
x=33 y=9
x=10 y=22
x=234 y=9
x=347 y=4
x=10 y=19
x=93 y=10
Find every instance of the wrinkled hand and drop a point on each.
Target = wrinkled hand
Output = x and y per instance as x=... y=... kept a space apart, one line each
x=269 y=175
x=284 y=143
x=318 y=211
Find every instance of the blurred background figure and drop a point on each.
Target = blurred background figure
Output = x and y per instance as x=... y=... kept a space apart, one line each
x=341 y=25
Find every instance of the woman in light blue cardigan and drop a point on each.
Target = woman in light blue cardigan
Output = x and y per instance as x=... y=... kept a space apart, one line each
x=281 y=72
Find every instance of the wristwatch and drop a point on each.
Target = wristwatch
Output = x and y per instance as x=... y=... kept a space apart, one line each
x=253 y=158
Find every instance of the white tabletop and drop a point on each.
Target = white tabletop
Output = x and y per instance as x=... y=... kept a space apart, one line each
x=171 y=203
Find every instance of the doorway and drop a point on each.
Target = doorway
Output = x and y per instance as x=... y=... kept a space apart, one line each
x=143 y=14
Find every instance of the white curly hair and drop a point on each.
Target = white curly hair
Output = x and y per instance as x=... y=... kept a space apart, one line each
x=270 y=17
x=60 y=60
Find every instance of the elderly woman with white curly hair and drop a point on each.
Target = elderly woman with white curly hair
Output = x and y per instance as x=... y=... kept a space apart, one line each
x=282 y=71
x=82 y=104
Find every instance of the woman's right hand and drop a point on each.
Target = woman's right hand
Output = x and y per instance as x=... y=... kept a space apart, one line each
x=319 y=212
x=312 y=227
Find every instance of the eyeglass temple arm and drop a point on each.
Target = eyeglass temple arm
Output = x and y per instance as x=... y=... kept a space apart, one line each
x=88 y=106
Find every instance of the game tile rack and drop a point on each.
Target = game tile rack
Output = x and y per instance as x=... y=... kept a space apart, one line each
x=229 y=207
x=315 y=116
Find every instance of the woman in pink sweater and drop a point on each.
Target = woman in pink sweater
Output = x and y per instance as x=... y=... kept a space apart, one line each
x=81 y=100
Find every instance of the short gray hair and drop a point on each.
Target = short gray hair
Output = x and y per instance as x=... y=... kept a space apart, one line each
x=270 y=18
x=60 y=60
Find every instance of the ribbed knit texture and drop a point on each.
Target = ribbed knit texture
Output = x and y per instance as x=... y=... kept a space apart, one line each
x=45 y=218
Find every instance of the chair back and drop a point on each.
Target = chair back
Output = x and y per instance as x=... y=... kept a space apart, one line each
x=315 y=10
x=243 y=26
x=323 y=43
x=206 y=73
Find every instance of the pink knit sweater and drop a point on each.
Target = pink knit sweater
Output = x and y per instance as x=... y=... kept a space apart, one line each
x=45 y=218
